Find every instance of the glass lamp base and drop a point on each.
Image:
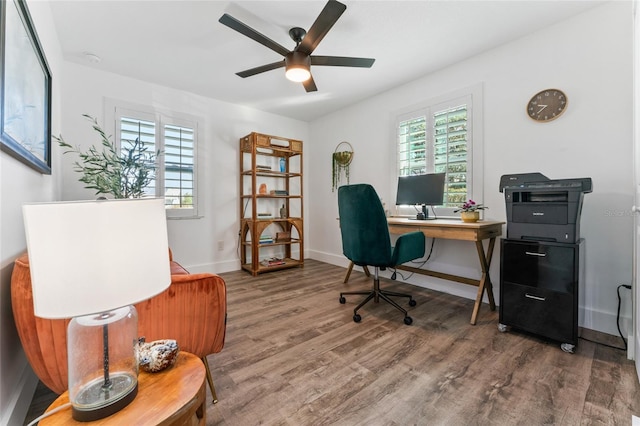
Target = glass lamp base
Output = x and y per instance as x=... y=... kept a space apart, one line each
x=94 y=402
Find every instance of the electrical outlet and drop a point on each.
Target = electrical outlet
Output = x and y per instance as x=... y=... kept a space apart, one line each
x=220 y=245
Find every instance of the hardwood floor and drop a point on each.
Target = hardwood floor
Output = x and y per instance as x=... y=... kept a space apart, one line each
x=294 y=356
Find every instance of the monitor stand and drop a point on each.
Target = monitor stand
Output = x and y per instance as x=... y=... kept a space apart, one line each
x=424 y=215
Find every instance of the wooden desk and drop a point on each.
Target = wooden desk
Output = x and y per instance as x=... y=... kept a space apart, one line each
x=456 y=230
x=175 y=396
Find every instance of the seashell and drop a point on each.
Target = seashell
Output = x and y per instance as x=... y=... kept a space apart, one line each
x=157 y=355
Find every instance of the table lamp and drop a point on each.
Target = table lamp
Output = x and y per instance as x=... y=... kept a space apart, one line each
x=91 y=261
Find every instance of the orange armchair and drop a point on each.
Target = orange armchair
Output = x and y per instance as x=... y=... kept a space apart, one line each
x=192 y=311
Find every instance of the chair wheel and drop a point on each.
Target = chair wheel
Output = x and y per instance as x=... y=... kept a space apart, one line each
x=343 y=300
x=412 y=302
x=408 y=320
x=357 y=318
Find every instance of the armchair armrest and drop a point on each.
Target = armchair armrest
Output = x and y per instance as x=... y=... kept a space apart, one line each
x=192 y=311
x=408 y=247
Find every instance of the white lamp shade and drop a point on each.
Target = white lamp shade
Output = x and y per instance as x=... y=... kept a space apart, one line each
x=92 y=256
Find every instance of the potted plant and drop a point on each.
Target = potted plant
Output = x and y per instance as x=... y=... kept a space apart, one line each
x=340 y=164
x=470 y=211
x=122 y=175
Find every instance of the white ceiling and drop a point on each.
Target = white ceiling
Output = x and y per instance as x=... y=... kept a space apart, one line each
x=181 y=44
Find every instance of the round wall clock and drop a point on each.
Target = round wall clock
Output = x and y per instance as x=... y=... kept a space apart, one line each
x=547 y=105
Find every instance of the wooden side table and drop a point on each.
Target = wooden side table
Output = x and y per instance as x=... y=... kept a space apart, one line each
x=175 y=396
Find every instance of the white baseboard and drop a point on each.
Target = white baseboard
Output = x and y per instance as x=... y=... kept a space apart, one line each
x=216 y=268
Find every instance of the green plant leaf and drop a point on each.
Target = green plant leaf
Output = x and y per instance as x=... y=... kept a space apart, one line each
x=124 y=175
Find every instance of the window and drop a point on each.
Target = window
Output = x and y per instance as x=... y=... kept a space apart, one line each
x=439 y=137
x=176 y=139
x=178 y=166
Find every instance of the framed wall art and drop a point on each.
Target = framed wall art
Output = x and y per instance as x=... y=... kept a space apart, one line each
x=25 y=89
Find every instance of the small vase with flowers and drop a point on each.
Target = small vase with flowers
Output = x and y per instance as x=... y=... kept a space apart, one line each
x=470 y=211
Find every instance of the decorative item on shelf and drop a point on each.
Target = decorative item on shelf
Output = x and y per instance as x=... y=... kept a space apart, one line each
x=157 y=355
x=262 y=189
x=73 y=247
x=272 y=261
x=279 y=192
x=282 y=237
x=283 y=212
x=470 y=211
x=341 y=161
x=283 y=165
x=123 y=175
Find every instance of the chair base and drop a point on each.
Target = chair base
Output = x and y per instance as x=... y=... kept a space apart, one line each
x=376 y=294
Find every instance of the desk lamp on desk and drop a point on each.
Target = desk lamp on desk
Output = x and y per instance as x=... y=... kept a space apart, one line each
x=425 y=190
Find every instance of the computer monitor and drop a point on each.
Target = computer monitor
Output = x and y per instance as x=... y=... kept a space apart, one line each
x=425 y=190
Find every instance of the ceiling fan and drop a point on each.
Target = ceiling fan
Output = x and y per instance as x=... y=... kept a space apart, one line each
x=298 y=61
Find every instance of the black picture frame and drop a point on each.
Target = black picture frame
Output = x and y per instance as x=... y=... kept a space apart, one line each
x=25 y=89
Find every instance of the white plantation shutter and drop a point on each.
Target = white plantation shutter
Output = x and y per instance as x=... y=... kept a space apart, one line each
x=179 y=163
x=438 y=138
x=451 y=153
x=412 y=146
x=145 y=131
x=175 y=178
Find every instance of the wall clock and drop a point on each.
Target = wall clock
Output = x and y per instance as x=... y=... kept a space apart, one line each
x=547 y=105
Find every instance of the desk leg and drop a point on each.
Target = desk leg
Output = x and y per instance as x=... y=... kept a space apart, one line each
x=485 y=281
x=348 y=274
x=346 y=277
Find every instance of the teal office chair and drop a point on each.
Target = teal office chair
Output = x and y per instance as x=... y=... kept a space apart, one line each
x=366 y=242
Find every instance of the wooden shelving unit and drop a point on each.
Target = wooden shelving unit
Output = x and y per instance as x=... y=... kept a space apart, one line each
x=270 y=181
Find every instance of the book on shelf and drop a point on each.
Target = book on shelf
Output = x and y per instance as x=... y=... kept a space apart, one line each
x=279 y=192
x=265 y=215
x=272 y=261
x=266 y=240
x=263 y=167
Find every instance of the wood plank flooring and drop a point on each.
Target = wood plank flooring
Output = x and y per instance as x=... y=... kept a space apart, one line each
x=294 y=356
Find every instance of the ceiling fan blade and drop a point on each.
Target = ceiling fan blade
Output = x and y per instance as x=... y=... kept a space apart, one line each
x=329 y=15
x=342 y=61
x=260 y=69
x=246 y=30
x=310 y=85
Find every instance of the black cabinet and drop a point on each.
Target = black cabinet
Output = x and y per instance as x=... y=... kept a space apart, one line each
x=539 y=283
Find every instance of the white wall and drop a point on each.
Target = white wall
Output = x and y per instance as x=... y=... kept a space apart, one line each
x=20 y=184
x=590 y=58
x=194 y=241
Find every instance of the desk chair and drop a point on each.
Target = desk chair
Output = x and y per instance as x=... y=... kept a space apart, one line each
x=366 y=242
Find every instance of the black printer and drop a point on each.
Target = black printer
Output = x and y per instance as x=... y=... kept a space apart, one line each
x=543 y=209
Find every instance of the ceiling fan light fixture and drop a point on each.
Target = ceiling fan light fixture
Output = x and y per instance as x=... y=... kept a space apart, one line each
x=298 y=66
x=297 y=74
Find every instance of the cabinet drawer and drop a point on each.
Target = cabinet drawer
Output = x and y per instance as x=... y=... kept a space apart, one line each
x=542 y=265
x=541 y=311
